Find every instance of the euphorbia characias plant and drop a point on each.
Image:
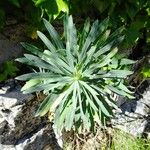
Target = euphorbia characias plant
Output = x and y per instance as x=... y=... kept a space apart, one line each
x=78 y=75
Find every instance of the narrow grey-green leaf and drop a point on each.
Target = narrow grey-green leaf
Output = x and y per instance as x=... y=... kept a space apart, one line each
x=83 y=117
x=90 y=101
x=107 y=58
x=125 y=61
x=71 y=39
x=115 y=74
x=71 y=115
x=45 y=106
x=37 y=75
x=33 y=49
x=90 y=39
x=124 y=88
x=47 y=42
x=55 y=37
x=95 y=94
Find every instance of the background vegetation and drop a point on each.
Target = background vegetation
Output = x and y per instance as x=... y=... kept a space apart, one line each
x=134 y=15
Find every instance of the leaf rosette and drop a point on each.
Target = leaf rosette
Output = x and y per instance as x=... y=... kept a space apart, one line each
x=79 y=75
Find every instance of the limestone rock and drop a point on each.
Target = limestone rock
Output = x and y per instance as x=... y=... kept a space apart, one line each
x=42 y=139
x=19 y=128
x=134 y=117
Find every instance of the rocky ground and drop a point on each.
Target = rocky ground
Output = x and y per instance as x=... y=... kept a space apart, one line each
x=134 y=115
x=19 y=128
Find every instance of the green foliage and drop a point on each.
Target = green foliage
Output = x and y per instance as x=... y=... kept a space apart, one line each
x=8 y=69
x=15 y=2
x=145 y=71
x=32 y=12
x=78 y=77
x=134 y=15
x=52 y=8
x=123 y=141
